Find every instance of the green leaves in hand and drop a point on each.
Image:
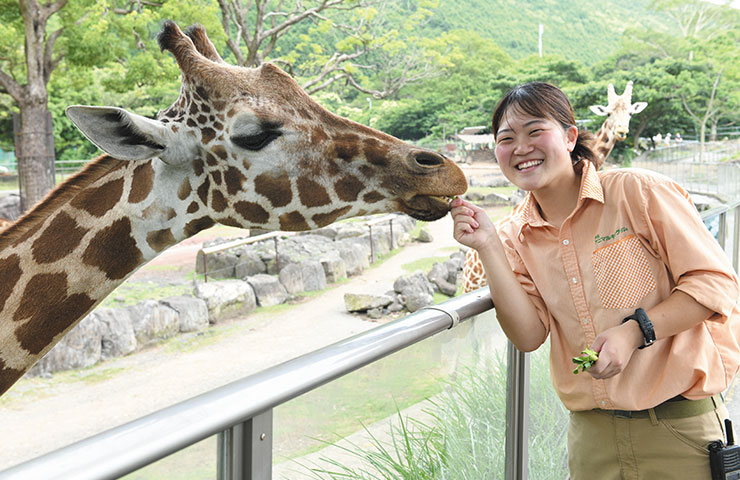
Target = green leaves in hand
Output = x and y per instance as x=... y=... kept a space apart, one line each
x=583 y=362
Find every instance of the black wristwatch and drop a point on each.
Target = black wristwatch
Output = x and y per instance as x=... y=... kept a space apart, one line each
x=648 y=333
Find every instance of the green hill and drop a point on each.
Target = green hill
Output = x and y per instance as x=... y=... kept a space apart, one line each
x=584 y=30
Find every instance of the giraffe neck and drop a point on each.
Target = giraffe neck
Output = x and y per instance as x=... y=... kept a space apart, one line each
x=605 y=140
x=64 y=257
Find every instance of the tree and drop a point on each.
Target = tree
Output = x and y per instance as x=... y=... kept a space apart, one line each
x=339 y=41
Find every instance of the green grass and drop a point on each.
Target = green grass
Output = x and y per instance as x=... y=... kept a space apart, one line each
x=423 y=264
x=131 y=293
x=466 y=438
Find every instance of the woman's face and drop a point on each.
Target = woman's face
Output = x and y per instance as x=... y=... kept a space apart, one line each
x=533 y=152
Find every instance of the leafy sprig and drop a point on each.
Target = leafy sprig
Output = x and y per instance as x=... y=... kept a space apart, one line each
x=583 y=362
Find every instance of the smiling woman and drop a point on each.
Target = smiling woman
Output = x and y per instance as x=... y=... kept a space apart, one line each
x=615 y=262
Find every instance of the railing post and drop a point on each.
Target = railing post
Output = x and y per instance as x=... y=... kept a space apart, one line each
x=517 y=414
x=722 y=229
x=277 y=255
x=390 y=224
x=372 y=247
x=736 y=236
x=205 y=268
x=245 y=450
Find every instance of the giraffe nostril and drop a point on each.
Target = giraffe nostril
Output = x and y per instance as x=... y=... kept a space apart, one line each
x=429 y=159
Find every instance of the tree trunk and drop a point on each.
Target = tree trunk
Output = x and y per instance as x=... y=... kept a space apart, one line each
x=35 y=154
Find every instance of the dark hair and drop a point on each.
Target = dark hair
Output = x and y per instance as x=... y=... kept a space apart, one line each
x=542 y=100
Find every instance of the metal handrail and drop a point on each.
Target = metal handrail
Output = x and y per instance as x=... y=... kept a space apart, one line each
x=126 y=448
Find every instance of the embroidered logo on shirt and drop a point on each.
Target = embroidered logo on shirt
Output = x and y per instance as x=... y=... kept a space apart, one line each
x=599 y=239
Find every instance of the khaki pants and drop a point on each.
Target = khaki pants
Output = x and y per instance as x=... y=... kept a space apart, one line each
x=602 y=446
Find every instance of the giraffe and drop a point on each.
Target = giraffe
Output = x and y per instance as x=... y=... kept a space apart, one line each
x=244 y=147
x=618 y=112
x=4 y=224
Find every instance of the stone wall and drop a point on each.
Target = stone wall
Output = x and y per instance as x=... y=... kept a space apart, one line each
x=252 y=276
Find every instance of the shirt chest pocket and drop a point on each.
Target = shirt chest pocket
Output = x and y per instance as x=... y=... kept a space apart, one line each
x=623 y=275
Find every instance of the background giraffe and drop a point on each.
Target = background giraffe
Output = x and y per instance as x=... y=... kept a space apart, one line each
x=243 y=147
x=618 y=112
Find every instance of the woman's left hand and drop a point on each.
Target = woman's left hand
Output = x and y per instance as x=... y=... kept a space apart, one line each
x=615 y=346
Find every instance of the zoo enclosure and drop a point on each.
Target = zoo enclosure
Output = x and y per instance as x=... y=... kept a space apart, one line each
x=241 y=413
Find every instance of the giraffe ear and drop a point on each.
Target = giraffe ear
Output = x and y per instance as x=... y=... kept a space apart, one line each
x=599 y=110
x=638 y=107
x=119 y=133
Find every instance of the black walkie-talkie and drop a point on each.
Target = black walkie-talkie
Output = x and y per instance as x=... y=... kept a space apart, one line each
x=725 y=459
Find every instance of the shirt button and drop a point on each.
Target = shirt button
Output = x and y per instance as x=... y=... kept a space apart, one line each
x=566 y=242
x=603 y=403
x=585 y=321
x=575 y=280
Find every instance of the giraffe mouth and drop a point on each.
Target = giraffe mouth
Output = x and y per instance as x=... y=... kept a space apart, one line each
x=426 y=207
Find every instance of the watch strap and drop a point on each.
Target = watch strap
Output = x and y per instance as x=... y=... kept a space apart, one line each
x=648 y=332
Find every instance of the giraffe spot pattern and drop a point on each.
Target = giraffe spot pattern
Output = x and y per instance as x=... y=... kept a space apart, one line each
x=234 y=179
x=8 y=376
x=59 y=239
x=142 y=183
x=216 y=176
x=252 y=212
x=220 y=152
x=207 y=134
x=311 y=193
x=160 y=239
x=277 y=190
x=373 y=197
x=98 y=201
x=375 y=152
x=323 y=219
x=184 y=190
x=195 y=226
x=198 y=167
x=218 y=202
x=10 y=272
x=348 y=188
x=345 y=146
x=293 y=221
x=203 y=191
x=367 y=171
x=42 y=321
x=113 y=250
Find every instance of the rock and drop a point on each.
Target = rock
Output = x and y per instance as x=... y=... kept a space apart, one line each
x=80 y=348
x=375 y=313
x=415 y=282
x=153 y=322
x=355 y=256
x=313 y=275
x=414 y=300
x=292 y=279
x=360 y=302
x=226 y=298
x=267 y=289
x=496 y=199
x=249 y=263
x=438 y=276
x=218 y=265
x=424 y=236
x=10 y=206
x=416 y=290
x=117 y=332
x=334 y=268
x=192 y=312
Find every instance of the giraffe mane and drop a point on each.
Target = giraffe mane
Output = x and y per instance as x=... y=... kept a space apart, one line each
x=26 y=225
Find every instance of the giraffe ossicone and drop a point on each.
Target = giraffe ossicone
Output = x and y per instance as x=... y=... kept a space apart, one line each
x=618 y=111
x=244 y=147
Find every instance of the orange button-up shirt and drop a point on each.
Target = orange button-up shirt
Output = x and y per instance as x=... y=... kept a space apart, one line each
x=634 y=237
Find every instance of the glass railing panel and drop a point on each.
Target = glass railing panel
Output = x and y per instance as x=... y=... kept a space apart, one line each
x=196 y=462
x=415 y=410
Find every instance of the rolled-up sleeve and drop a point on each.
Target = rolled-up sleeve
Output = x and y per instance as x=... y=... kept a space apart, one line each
x=674 y=230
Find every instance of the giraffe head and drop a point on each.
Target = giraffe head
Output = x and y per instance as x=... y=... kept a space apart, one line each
x=259 y=152
x=619 y=111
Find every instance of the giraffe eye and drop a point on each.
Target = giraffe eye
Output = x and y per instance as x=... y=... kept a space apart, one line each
x=256 y=142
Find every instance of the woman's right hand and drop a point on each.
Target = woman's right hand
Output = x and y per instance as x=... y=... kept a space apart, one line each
x=472 y=226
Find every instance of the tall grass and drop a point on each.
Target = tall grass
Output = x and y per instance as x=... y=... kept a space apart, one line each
x=465 y=439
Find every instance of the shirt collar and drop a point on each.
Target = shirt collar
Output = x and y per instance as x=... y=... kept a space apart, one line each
x=590 y=188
